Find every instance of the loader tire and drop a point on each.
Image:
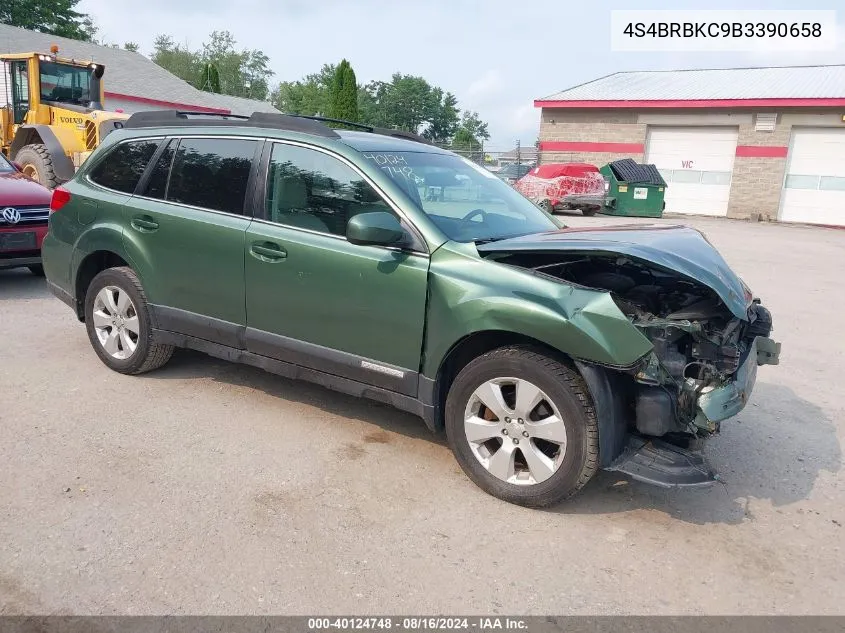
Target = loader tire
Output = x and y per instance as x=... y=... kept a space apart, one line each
x=38 y=164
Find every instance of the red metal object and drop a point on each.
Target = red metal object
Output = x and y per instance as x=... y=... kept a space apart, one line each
x=695 y=103
x=555 y=181
x=167 y=104
x=761 y=151
x=585 y=146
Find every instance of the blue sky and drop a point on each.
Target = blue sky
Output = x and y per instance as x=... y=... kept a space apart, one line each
x=497 y=56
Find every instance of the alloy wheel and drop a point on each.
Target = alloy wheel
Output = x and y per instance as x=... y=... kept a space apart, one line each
x=116 y=322
x=515 y=431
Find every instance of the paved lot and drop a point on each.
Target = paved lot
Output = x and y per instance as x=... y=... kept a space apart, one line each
x=214 y=488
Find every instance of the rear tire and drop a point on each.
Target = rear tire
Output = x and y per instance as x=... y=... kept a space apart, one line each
x=37 y=162
x=589 y=211
x=555 y=445
x=37 y=270
x=118 y=322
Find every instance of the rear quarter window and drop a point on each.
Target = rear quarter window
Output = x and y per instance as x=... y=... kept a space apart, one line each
x=123 y=166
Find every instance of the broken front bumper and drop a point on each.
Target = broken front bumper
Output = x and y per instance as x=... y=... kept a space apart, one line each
x=657 y=462
x=720 y=403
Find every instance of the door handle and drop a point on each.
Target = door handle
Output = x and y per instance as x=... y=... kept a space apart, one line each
x=144 y=224
x=268 y=251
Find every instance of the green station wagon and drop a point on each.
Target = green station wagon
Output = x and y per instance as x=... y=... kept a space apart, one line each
x=381 y=266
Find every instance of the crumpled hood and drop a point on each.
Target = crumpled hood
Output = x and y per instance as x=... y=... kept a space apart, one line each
x=678 y=248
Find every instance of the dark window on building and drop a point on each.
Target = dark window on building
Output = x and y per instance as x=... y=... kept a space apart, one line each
x=157 y=184
x=211 y=173
x=121 y=168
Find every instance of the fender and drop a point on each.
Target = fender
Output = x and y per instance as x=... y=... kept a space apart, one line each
x=103 y=237
x=469 y=295
x=30 y=134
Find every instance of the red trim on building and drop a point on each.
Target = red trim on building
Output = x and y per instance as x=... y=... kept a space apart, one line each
x=696 y=103
x=761 y=151
x=578 y=146
x=167 y=104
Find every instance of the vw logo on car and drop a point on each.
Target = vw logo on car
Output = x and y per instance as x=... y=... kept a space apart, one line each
x=11 y=215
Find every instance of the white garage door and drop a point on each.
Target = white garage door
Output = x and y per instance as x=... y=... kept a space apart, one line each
x=697 y=164
x=814 y=187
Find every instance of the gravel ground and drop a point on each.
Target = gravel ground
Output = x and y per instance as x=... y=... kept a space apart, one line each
x=207 y=487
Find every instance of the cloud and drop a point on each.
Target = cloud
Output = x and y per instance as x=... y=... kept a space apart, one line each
x=489 y=84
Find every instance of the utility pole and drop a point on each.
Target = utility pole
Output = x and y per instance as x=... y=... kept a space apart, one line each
x=518 y=155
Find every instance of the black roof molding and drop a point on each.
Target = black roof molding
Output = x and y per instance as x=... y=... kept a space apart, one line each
x=315 y=125
x=176 y=118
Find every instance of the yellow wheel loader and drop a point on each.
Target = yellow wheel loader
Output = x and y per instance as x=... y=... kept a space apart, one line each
x=51 y=113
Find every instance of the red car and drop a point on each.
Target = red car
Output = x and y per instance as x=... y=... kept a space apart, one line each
x=558 y=186
x=24 y=210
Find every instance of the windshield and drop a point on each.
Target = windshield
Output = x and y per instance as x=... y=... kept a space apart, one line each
x=66 y=84
x=5 y=165
x=467 y=202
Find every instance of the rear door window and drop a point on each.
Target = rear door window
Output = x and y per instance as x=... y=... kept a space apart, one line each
x=212 y=173
x=122 y=167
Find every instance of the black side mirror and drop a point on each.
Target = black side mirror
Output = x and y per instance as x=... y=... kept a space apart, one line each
x=377 y=228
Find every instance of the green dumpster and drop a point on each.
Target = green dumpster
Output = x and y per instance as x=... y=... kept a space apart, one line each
x=635 y=189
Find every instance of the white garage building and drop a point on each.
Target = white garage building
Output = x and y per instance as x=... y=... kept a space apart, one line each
x=745 y=142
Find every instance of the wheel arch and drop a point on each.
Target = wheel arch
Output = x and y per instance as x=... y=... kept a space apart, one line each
x=89 y=267
x=464 y=350
x=605 y=386
x=45 y=135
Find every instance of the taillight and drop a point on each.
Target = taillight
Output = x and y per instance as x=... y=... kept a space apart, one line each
x=60 y=198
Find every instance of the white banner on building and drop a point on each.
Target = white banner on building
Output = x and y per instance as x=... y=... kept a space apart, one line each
x=758 y=30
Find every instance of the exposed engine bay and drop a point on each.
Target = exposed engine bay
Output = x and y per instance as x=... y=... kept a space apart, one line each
x=702 y=358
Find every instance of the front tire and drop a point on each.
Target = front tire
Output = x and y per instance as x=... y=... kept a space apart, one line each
x=522 y=426
x=38 y=164
x=118 y=322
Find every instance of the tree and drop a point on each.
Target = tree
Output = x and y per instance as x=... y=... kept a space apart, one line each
x=243 y=73
x=209 y=79
x=57 y=17
x=176 y=59
x=475 y=126
x=309 y=96
x=406 y=102
x=444 y=120
x=343 y=93
x=132 y=46
x=410 y=103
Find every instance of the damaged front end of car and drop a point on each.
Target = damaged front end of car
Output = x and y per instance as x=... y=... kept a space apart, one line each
x=709 y=335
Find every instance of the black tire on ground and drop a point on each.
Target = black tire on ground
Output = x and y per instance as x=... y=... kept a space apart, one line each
x=588 y=211
x=148 y=355
x=37 y=157
x=37 y=270
x=562 y=385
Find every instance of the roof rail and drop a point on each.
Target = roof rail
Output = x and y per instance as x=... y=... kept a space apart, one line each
x=384 y=131
x=176 y=118
x=315 y=125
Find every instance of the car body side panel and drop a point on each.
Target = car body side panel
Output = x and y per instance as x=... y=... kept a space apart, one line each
x=193 y=261
x=92 y=221
x=468 y=294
